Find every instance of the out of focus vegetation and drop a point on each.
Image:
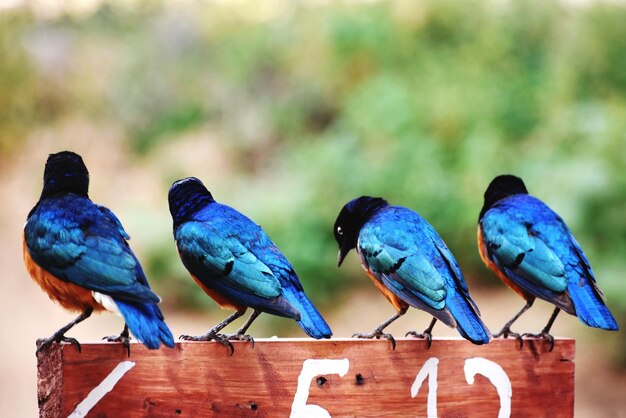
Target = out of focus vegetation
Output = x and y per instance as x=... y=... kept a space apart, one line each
x=306 y=106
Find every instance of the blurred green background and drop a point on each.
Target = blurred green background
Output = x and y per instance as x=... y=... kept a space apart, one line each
x=287 y=110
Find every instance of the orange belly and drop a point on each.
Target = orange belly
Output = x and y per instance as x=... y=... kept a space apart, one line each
x=71 y=296
x=398 y=304
x=482 y=249
x=221 y=300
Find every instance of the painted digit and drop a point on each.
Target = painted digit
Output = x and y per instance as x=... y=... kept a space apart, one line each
x=102 y=389
x=496 y=376
x=428 y=369
x=310 y=369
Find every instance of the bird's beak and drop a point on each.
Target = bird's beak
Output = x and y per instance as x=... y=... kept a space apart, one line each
x=342 y=254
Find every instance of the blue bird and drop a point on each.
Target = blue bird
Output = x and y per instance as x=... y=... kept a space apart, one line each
x=77 y=251
x=531 y=249
x=410 y=264
x=234 y=261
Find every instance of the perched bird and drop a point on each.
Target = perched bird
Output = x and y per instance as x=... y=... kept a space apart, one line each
x=410 y=264
x=531 y=249
x=77 y=251
x=234 y=261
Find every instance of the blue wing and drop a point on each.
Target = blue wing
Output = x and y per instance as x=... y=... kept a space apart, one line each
x=534 y=247
x=232 y=255
x=221 y=261
x=392 y=256
x=407 y=255
x=76 y=241
x=518 y=248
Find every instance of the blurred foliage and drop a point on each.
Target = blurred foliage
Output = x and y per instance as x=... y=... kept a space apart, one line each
x=17 y=83
x=420 y=102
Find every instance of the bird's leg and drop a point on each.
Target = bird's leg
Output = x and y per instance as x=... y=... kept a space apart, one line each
x=378 y=331
x=240 y=334
x=545 y=332
x=506 y=329
x=426 y=334
x=213 y=333
x=59 y=336
x=123 y=338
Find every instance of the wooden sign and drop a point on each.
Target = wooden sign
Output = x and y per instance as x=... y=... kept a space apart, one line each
x=300 y=378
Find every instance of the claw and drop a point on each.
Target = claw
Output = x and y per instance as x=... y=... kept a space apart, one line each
x=544 y=335
x=506 y=332
x=377 y=335
x=240 y=337
x=44 y=343
x=123 y=339
x=428 y=336
x=223 y=339
x=211 y=336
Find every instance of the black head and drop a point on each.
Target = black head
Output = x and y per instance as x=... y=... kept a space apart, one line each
x=350 y=221
x=501 y=187
x=65 y=172
x=186 y=197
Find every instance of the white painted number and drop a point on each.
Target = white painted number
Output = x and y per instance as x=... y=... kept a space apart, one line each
x=473 y=366
x=428 y=369
x=316 y=367
x=102 y=389
x=310 y=369
x=496 y=376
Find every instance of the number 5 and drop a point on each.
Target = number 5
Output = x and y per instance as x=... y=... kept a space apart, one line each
x=310 y=369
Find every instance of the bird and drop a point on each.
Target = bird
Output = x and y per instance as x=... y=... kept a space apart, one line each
x=78 y=252
x=531 y=249
x=236 y=263
x=410 y=265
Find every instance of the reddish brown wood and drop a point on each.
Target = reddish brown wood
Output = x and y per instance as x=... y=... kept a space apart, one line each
x=198 y=379
x=50 y=381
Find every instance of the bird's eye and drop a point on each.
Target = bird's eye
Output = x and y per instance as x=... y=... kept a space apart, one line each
x=339 y=231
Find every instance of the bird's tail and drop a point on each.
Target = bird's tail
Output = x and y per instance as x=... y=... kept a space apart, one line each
x=587 y=296
x=145 y=322
x=311 y=320
x=467 y=317
x=590 y=306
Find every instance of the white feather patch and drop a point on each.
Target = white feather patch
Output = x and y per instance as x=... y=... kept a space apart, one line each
x=107 y=302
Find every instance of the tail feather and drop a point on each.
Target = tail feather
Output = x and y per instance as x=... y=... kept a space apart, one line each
x=145 y=322
x=590 y=308
x=311 y=320
x=468 y=321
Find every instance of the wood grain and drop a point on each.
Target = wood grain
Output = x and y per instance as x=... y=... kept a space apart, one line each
x=200 y=379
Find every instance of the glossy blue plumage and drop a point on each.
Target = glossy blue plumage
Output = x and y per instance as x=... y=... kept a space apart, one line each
x=535 y=249
x=84 y=244
x=408 y=256
x=231 y=255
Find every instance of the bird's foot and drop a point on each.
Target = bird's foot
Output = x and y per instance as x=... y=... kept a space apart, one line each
x=378 y=335
x=427 y=335
x=240 y=337
x=506 y=333
x=211 y=336
x=123 y=338
x=44 y=343
x=543 y=335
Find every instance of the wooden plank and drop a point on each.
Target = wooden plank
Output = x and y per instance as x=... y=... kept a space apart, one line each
x=198 y=379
